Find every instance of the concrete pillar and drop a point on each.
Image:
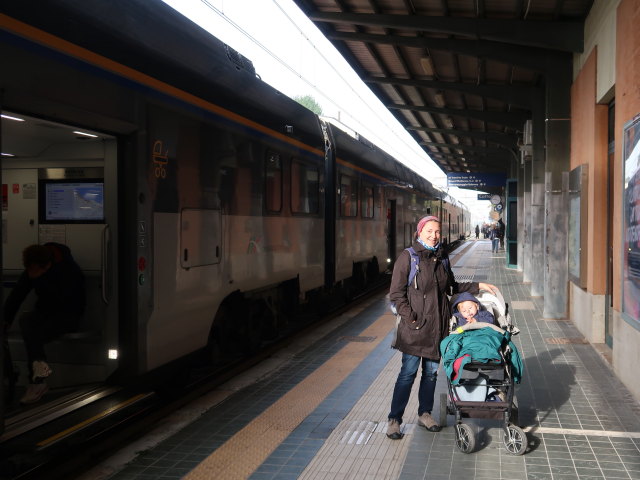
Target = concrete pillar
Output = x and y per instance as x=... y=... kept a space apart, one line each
x=521 y=214
x=537 y=201
x=558 y=136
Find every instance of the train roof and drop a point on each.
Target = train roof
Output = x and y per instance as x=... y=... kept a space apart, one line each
x=350 y=144
x=152 y=38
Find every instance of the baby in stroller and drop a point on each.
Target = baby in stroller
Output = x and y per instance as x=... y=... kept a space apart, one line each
x=467 y=309
x=482 y=366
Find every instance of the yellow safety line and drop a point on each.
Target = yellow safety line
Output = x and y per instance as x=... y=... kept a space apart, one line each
x=86 y=422
x=243 y=453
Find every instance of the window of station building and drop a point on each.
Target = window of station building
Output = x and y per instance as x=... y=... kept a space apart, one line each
x=367 y=201
x=273 y=185
x=305 y=188
x=348 y=196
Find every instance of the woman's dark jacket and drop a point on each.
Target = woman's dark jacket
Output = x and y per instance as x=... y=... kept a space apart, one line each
x=425 y=310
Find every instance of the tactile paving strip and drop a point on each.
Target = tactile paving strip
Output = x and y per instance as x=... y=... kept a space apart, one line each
x=246 y=450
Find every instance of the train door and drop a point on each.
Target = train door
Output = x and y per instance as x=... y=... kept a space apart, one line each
x=511 y=229
x=391 y=231
x=59 y=184
x=5 y=380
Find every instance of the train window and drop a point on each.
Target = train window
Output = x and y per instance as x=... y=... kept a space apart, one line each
x=408 y=234
x=305 y=188
x=273 y=187
x=367 y=201
x=348 y=196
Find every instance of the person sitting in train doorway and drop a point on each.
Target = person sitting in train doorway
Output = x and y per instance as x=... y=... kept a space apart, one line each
x=58 y=282
x=422 y=303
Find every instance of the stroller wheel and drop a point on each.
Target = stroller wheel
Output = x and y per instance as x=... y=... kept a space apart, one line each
x=442 y=421
x=465 y=439
x=515 y=440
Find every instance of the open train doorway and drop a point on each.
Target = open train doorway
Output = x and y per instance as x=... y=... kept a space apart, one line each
x=59 y=184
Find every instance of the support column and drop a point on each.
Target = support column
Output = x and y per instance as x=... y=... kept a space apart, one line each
x=537 y=202
x=521 y=213
x=558 y=135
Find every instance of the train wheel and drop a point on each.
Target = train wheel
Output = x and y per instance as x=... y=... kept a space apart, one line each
x=359 y=276
x=465 y=439
x=254 y=327
x=373 y=270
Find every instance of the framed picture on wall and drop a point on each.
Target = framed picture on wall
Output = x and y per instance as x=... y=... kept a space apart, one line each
x=631 y=221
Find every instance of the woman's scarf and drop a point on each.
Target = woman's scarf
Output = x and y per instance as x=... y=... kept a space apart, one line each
x=429 y=247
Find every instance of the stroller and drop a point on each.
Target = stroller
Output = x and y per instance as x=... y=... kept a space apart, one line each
x=483 y=386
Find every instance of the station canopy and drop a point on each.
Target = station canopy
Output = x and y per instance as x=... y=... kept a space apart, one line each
x=460 y=75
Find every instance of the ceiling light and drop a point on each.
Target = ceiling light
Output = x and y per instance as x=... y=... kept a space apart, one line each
x=8 y=154
x=9 y=117
x=85 y=134
x=427 y=65
x=439 y=98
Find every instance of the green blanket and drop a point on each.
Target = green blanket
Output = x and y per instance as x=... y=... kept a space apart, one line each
x=482 y=346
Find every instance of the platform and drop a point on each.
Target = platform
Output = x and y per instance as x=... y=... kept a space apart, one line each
x=318 y=409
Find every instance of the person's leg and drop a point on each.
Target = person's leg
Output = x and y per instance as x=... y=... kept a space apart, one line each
x=32 y=327
x=426 y=393
x=427 y=385
x=402 y=389
x=36 y=330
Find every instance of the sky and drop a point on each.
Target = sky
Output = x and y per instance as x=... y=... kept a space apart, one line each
x=292 y=55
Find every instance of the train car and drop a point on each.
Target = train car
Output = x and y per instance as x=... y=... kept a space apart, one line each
x=204 y=207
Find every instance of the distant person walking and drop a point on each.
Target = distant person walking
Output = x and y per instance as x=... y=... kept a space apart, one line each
x=477 y=232
x=495 y=238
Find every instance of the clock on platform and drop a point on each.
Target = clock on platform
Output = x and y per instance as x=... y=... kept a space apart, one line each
x=495 y=199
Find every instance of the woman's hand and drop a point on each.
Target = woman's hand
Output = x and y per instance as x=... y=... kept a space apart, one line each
x=488 y=287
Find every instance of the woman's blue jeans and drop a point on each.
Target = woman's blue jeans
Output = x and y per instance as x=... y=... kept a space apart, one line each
x=407 y=375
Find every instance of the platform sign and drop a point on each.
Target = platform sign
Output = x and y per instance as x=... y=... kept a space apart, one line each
x=476 y=180
x=484 y=196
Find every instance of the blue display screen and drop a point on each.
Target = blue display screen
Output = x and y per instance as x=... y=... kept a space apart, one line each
x=81 y=201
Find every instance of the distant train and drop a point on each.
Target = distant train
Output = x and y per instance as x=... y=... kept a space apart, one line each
x=204 y=207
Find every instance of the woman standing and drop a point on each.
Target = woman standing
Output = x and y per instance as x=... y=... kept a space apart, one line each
x=424 y=309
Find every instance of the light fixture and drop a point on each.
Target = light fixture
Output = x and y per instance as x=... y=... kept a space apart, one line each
x=9 y=117
x=8 y=154
x=78 y=132
x=427 y=65
x=113 y=354
x=439 y=98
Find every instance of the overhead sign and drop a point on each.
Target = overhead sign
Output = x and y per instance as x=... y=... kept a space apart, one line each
x=484 y=196
x=473 y=180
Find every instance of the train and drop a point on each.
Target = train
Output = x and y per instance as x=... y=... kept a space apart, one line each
x=205 y=208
